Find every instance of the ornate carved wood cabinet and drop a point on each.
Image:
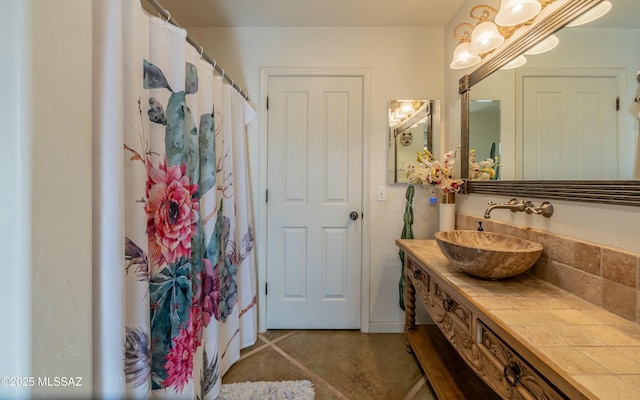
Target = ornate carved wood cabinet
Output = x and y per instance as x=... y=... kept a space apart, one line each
x=506 y=363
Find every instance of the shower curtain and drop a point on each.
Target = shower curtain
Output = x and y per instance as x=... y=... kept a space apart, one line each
x=174 y=266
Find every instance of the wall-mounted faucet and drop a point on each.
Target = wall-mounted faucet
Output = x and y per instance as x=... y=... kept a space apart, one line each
x=545 y=209
x=513 y=205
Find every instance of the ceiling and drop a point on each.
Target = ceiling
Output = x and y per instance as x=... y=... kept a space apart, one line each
x=309 y=13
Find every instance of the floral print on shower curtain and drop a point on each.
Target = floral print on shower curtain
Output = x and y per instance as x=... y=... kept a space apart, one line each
x=189 y=271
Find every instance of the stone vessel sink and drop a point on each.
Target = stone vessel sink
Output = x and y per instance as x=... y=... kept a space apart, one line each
x=488 y=255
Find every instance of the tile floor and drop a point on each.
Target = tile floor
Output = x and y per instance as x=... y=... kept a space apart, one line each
x=344 y=365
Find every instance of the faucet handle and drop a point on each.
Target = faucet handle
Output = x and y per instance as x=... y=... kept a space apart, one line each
x=546 y=209
x=530 y=208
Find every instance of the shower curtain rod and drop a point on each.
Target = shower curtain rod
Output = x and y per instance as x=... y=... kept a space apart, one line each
x=165 y=13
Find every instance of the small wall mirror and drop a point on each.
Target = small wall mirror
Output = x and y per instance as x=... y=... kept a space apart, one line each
x=411 y=127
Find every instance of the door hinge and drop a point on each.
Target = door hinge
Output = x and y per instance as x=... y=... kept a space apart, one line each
x=617 y=103
x=267 y=102
x=266 y=196
x=266 y=288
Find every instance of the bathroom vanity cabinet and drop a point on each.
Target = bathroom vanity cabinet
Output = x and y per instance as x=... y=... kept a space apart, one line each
x=523 y=337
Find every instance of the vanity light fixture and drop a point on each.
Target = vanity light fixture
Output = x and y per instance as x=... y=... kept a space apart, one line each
x=485 y=37
x=393 y=119
x=542 y=47
x=462 y=57
x=515 y=63
x=515 y=12
x=592 y=14
x=405 y=109
x=401 y=111
x=475 y=42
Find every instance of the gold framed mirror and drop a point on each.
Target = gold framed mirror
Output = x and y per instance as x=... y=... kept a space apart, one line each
x=621 y=192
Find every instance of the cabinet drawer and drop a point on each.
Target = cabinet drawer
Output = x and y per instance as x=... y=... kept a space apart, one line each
x=420 y=280
x=447 y=304
x=508 y=373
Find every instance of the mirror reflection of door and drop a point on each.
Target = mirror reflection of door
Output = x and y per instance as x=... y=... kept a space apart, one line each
x=484 y=116
x=570 y=128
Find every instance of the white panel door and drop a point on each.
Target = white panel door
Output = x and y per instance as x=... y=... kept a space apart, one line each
x=570 y=128
x=315 y=183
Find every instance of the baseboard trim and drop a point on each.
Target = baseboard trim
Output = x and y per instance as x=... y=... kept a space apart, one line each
x=386 y=327
x=392 y=327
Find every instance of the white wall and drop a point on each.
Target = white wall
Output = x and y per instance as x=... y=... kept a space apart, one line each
x=604 y=224
x=15 y=203
x=404 y=63
x=61 y=193
x=45 y=249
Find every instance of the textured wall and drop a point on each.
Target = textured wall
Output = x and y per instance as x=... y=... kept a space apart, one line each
x=61 y=194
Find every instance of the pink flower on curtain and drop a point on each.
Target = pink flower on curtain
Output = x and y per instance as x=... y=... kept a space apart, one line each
x=197 y=325
x=179 y=361
x=211 y=292
x=172 y=213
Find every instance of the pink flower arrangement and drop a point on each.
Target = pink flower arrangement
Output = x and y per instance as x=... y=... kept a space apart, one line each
x=172 y=213
x=430 y=171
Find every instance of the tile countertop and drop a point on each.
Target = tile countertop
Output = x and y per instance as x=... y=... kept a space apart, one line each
x=597 y=349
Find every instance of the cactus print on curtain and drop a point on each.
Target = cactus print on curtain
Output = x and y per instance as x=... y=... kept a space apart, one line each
x=189 y=270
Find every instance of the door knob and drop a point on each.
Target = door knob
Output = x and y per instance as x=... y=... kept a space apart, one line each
x=353 y=215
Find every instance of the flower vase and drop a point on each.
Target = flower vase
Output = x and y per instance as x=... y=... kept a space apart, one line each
x=447 y=211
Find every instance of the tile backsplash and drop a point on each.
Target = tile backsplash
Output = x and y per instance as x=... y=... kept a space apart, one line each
x=602 y=275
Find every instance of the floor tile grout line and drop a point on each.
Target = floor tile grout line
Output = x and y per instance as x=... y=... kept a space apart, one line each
x=268 y=343
x=310 y=372
x=415 y=389
x=276 y=340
